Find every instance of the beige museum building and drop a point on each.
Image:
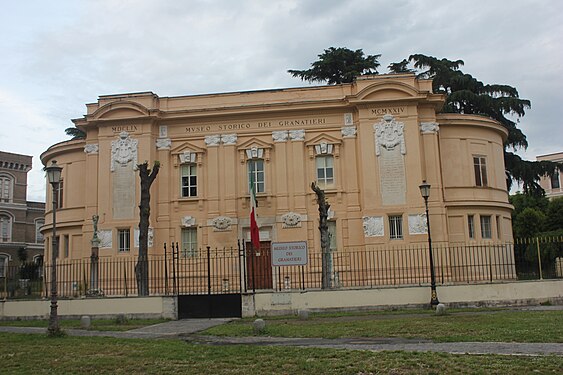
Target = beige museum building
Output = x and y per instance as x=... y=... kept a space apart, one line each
x=368 y=144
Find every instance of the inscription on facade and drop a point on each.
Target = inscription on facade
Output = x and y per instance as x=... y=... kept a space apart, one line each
x=124 y=128
x=392 y=174
x=388 y=111
x=255 y=125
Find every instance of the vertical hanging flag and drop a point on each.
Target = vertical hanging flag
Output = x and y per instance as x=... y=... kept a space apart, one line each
x=254 y=232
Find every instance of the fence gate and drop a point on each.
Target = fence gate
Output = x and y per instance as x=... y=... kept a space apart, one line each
x=207 y=282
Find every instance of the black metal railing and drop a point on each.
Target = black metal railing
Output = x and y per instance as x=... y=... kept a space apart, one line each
x=239 y=270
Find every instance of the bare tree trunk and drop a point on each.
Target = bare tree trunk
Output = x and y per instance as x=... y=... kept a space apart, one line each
x=325 y=239
x=142 y=268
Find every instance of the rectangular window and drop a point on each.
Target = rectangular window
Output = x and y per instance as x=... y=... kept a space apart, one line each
x=38 y=235
x=486 y=227
x=471 y=226
x=256 y=174
x=59 y=195
x=189 y=180
x=555 y=180
x=332 y=234
x=124 y=239
x=396 y=227
x=189 y=242
x=5 y=228
x=498 y=222
x=66 y=245
x=480 y=167
x=325 y=170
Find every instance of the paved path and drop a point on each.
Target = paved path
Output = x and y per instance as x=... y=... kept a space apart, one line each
x=187 y=330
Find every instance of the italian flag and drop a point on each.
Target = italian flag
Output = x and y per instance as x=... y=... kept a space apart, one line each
x=254 y=232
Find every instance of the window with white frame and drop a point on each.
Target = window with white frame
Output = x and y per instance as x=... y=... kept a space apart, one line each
x=325 y=170
x=4 y=264
x=38 y=235
x=256 y=174
x=471 y=226
x=396 y=227
x=5 y=228
x=486 y=230
x=189 y=242
x=6 y=188
x=480 y=168
x=324 y=165
x=189 y=179
x=124 y=239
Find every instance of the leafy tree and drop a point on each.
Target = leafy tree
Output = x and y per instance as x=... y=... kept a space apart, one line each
x=400 y=67
x=75 y=133
x=142 y=268
x=529 y=223
x=466 y=94
x=554 y=220
x=338 y=65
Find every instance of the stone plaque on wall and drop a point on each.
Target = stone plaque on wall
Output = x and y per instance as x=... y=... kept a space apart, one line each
x=392 y=175
x=123 y=192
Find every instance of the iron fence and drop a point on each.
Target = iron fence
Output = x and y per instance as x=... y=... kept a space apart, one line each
x=240 y=270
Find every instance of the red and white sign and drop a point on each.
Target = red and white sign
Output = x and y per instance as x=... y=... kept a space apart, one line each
x=289 y=253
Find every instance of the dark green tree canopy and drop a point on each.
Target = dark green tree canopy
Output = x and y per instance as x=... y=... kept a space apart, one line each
x=338 y=65
x=466 y=94
x=75 y=133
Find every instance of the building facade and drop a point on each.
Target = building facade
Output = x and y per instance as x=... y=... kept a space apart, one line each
x=20 y=220
x=369 y=145
x=552 y=185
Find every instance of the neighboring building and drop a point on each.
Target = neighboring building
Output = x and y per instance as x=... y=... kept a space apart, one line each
x=552 y=185
x=20 y=220
x=369 y=145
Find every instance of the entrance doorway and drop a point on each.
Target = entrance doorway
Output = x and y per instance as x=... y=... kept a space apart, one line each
x=261 y=263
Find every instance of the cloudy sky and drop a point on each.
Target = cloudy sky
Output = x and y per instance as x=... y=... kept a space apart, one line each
x=59 y=55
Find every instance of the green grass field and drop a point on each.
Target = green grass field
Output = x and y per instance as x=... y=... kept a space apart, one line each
x=38 y=354
x=497 y=326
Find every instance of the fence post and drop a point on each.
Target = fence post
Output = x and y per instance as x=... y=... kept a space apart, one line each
x=539 y=257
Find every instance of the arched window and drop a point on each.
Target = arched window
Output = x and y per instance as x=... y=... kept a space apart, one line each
x=5 y=228
x=6 y=188
x=38 y=235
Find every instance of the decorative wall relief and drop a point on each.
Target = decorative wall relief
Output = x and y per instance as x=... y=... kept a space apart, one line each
x=163 y=143
x=222 y=223
x=91 y=148
x=417 y=224
x=280 y=136
x=297 y=135
x=123 y=151
x=348 y=119
x=429 y=127
x=136 y=237
x=291 y=220
x=390 y=150
x=187 y=157
x=348 y=132
x=212 y=140
x=188 y=221
x=105 y=239
x=229 y=139
x=373 y=226
x=389 y=134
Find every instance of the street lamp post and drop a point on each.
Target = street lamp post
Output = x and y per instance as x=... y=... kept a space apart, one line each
x=54 y=178
x=425 y=192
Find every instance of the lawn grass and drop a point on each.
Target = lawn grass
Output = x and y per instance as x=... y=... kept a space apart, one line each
x=38 y=354
x=498 y=326
x=96 y=325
